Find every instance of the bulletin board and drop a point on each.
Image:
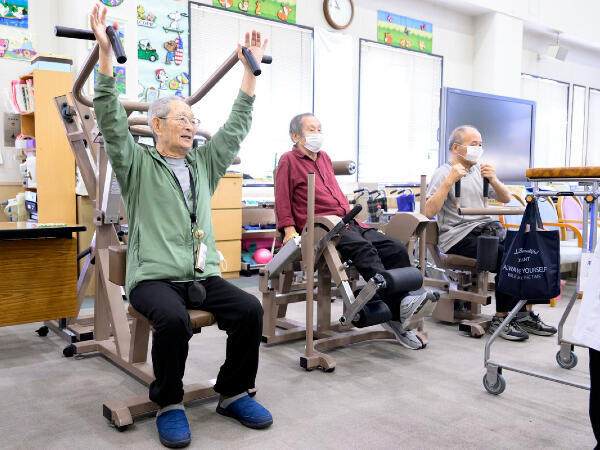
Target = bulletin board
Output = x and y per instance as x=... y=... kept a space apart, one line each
x=163 y=49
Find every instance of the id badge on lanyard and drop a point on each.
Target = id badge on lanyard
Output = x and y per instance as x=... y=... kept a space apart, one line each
x=201 y=257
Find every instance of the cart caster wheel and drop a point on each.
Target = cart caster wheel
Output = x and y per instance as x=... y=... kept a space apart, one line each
x=121 y=428
x=330 y=370
x=42 y=331
x=568 y=364
x=69 y=351
x=498 y=388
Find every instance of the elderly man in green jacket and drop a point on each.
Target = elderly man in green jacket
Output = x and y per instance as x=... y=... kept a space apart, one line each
x=172 y=261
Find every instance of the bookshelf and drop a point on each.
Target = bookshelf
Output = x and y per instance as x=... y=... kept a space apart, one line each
x=55 y=163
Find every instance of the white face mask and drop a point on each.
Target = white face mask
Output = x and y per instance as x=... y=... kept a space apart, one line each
x=314 y=142
x=474 y=153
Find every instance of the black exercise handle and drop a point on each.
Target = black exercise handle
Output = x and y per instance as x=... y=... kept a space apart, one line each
x=74 y=33
x=486 y=188
x=251 y=60
x=352 y=214
x=118 y=49
x=457 y=189
x=78 y=33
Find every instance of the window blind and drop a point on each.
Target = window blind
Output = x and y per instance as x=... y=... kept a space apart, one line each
x=284 y=89
x=551 y=120
x=399 y=113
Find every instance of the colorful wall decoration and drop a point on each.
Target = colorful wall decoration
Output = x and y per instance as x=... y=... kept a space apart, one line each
x=16 y=44
x=112 y=2
x=404 y=32
x=162 y=49
x=14 y=13
x=284 y=11
x=120 y=73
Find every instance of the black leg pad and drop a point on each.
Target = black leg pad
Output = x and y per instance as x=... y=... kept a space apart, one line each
x=373 y=313
x=401 y=280
x=487 y=253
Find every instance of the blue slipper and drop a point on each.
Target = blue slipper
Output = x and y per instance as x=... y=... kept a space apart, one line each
x=248 y=412
x=173 y=429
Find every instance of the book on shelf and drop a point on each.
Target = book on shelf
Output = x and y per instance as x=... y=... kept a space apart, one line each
x=21 y=95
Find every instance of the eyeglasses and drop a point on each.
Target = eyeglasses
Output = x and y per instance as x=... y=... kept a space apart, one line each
x=182 y=121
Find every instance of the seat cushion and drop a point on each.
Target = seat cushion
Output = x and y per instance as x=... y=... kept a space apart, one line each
x=569 y=254
x=198 y=318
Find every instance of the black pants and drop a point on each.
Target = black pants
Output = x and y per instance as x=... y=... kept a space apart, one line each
x=238 y=313
x=468 y=247
x=372 y=252
x=595 y=394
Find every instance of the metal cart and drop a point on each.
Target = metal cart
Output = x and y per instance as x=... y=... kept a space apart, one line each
x=588 y=188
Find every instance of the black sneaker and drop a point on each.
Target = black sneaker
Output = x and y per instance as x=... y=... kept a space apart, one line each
x=510 y=332
x=532 y=323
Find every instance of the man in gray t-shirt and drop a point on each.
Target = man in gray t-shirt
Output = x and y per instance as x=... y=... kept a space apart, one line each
x=458 y=234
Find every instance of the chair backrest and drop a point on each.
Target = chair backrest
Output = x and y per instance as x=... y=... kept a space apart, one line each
x=569 y=208
x=432 y=234
x=513 y=220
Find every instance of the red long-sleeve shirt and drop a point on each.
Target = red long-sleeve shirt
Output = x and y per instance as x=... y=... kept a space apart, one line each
x=291 y=189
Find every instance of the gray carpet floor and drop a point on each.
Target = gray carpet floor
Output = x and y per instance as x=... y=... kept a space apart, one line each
x=380 y=396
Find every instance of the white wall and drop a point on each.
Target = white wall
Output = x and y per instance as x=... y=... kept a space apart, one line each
x=578 y=19
x=582 y=66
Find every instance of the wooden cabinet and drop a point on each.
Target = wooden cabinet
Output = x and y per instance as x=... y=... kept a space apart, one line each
x=55 y=163
x=227 y=223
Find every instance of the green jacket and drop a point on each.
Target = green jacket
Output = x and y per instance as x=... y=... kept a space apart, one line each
x=161 y=245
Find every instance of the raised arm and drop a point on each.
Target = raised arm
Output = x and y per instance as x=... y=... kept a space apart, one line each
x=110 y=114
x=221 y=150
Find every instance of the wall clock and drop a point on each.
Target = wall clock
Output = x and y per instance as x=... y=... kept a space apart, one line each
x=339 y=13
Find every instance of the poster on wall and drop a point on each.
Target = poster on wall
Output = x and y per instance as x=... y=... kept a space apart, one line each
x=120 y=75
x=162 y=49
x=119 y=72
x=16 y=44
x=269 y=9
x=404 y=32
x=14 y=13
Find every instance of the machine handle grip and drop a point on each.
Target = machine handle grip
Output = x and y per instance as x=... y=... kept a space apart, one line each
x=251 y=60
x=77 y=33
x=457 y=189
x=352 y=214
x=486 y=188
x=74 y=33
x=116 y=45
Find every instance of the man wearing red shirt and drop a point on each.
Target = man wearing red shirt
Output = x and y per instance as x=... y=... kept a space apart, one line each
x=370 y=251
